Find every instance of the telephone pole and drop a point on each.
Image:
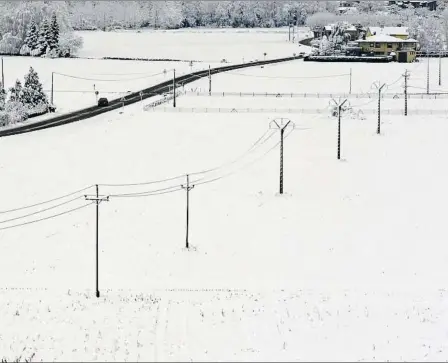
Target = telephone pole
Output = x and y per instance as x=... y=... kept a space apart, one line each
x=350 y=89
x=174 y=88
x=427 y=75
x=284 y=123
x=406 y=76
x=97 y=199
x=52 y=88
x=188 y=187
x=379 y=87
x=440 y=68
x=339 y=106
x=209 y=81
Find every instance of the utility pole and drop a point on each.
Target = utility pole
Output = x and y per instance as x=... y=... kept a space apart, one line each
x=406 y=76
x=427 y=75
x=350 y=89
x=97 y=200
x=209 y=81
x=188 y=187
x=440 y=68
x=379 y=87
x=52 y=87
x=174 y=88
x=339 y=106
x=284 y=123
x=3 y=76
x=289 y=25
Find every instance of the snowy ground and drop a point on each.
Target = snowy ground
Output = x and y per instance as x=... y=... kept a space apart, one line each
x=206 y=45
x=348 y=264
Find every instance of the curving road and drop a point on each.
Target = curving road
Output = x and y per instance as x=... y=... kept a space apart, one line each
x=130 y=98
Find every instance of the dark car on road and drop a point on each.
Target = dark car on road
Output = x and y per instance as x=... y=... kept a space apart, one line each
x=102 y=102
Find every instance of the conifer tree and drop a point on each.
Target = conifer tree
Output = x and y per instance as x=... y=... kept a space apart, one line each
x=54 y=33
x=32 y=36
x=2 y=97
x=32 y=93
x=44 y=37
x=16 y=92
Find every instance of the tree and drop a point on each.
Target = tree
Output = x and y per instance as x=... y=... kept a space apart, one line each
x=54 y=33
x=44 y=38
x=32 y=36
x=2 y=97
x=32 y=94
x=16 y=92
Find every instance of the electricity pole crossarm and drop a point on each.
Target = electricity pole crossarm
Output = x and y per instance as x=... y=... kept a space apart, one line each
x=187 y=187
x=284 y=123
x=97 y=199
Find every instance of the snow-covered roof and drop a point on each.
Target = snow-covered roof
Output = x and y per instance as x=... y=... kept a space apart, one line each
x=389 y=30
x=383 y=38
x=328 y=27
x=351 y=28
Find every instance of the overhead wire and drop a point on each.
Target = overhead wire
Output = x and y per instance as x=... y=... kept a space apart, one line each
x=41 y=211
x=292 y=77
x=107 y=80
x=46 y=201
x=46 y=218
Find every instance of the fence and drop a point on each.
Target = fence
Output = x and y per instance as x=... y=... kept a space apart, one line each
x=306 y=111
x=319 y=95
x=163 y=100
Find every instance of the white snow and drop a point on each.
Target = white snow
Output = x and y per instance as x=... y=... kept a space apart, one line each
x=347 y=265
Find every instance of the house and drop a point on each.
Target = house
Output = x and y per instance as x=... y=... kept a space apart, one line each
x=429 y=4
x=382 y=44
x=401 y=32
x=352 y=32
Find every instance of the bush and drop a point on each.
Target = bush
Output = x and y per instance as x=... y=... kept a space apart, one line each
x=69 y=44
x=17 y=112
x=10 y=44
x=25 y=50
x=4 y=118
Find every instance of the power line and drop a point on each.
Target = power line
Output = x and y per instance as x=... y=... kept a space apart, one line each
x=41 y=211
x=107 y=80
x=46 y=202
x=46 y=218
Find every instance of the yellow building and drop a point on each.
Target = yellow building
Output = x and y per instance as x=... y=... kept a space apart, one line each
x=401 y=32
x=404 y=49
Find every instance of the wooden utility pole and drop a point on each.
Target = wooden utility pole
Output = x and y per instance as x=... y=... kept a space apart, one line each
x=97 y=199
x=209 y=81
x=440 y=68
x=174 y=88
x=427 y=75
x=284 y=123
x=339 y=106
x=350 y=89
x=406 y=76
x=52 y=88
x=379 y=87
x=187 y=187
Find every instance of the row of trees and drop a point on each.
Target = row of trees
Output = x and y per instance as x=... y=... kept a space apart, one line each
x=23 y=100
x=183 y=14
x=40 y=25
x=43 y=39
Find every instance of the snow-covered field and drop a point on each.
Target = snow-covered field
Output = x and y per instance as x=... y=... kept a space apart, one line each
x=348 y=264
x=75 y=80
x=206 y=45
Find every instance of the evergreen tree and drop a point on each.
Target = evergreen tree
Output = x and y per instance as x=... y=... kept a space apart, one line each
x=32 y=93
x=44 y=40
x=2 y=97
x=16 y=92
x=54 y=32
x=32 y=36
